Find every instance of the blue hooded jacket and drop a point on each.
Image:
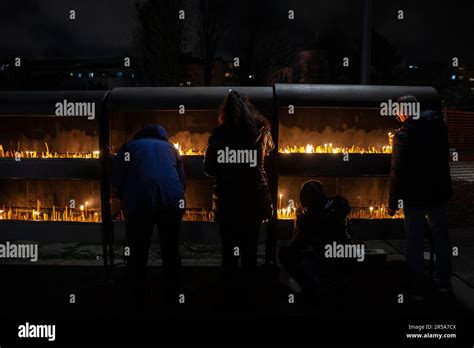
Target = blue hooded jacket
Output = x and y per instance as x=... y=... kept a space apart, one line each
x=153 y=176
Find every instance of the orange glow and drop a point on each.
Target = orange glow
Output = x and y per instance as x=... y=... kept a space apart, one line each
x=49 y=214
x=187 y=152
x=378 y=212
x=23 y=153
x=330 y=148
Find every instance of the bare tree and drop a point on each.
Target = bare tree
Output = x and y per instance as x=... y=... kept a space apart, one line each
x=158 y=42
x=211 y=29
x=263 y=46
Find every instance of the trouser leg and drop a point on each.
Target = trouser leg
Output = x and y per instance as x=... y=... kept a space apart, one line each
x=415 y=226
x=169 y=223
x=249 y=245
x=438 y=222
x=139 y=231
x=229 y=243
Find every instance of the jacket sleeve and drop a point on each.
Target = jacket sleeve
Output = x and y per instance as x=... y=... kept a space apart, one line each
x=399 y=151
x=210 y=158
x=180 y=168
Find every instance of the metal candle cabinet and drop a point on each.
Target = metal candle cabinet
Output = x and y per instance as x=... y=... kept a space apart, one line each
x=189 y=114
x=49 y=165
x=337 y=135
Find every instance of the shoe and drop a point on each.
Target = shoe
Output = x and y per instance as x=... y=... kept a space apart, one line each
x=415 y=297
x=443 y=287
x=289 y=281
x=445 y=290
x=415 y=292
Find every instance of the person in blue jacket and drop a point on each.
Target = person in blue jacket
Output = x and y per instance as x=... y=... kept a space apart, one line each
x=148 y=177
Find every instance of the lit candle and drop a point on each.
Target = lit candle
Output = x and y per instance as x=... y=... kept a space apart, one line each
x=281 y=196
x=47 y=148
x=54 y=213
x=82 y=212
x=371 y=210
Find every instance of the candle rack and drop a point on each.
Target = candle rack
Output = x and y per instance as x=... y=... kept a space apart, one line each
x=313 y=126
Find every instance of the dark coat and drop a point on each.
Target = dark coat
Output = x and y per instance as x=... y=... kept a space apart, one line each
x=153 y=178
x=241 y=190
x=420 y=172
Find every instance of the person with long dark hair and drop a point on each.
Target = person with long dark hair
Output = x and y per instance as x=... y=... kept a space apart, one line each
x=235 y=156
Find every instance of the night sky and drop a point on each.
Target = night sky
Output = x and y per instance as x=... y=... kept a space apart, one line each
x=432 y=32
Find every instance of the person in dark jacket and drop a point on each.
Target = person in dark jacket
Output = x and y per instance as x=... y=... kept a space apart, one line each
x=420 y=184
x=320 y=221
x=149 y=179
x=235 y=156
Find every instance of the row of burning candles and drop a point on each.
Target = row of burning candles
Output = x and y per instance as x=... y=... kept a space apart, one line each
x=45 y=154
x=309 y=148
x=329 y=148
x=378 y=212
x=85 y=214
x=94 y=154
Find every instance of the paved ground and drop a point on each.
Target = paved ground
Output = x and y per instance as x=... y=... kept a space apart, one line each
x=72 y=268
x=42 y=292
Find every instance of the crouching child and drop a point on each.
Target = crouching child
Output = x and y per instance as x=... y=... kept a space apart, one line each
x=320 y=221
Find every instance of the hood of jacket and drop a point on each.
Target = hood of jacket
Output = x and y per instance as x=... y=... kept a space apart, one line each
x=152 y=131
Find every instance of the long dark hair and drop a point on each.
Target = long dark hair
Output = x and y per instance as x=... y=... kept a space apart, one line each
x=237 y=110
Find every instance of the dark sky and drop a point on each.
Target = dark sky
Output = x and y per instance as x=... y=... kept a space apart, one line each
x=432 y=33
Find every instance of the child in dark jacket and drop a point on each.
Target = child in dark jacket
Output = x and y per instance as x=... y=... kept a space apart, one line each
x=320 y=221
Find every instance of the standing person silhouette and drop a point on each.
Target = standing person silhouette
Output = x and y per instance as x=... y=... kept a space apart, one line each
x=149 y=180
x=235 y=155
x=420 y=182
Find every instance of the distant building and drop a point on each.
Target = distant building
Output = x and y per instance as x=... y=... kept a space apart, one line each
x=282 y=74
x=313 y=66
x=67 y=74
x=462 y=74
x=194 y=70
